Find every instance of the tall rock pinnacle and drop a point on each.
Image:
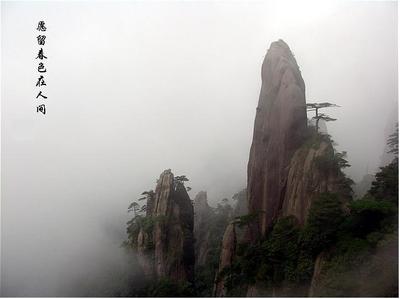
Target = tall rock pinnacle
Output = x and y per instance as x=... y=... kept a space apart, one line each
x=279 y=128
x=202 y=216
x=166 y=248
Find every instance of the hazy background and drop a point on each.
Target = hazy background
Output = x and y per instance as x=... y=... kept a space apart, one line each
x=138 y=87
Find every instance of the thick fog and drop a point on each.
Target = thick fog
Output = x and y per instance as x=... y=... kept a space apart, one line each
x=138 y=87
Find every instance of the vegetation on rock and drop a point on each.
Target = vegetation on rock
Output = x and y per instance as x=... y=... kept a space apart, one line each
x=357 y=239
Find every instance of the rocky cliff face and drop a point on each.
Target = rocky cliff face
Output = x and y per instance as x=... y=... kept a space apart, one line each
x=165 y=244
x=227 y=255
x=145 y=253
x=307 y=178
x=202 y=215
x=279 y=129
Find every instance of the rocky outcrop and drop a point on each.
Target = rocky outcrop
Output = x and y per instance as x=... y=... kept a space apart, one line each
x=308 y=177
x=290 y=164
x=202 y=216
x=317 y=274
x=226 y=259
x=240 y=208
x=165 y=241
x=279 y=130
x=145 y=253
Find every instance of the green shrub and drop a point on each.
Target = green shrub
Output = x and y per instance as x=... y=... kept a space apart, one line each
x=385 y=186
x=367 y=215
x=325 y=216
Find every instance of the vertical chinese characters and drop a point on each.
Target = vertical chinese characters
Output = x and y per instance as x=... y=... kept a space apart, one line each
x=41 y=40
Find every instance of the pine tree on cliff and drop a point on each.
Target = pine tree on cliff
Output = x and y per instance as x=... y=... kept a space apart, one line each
x=386 y=184
x=393 y=142
x=134 y=206
x=318 y=116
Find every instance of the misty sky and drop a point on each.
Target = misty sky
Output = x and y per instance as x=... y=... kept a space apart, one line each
x=138 y=87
